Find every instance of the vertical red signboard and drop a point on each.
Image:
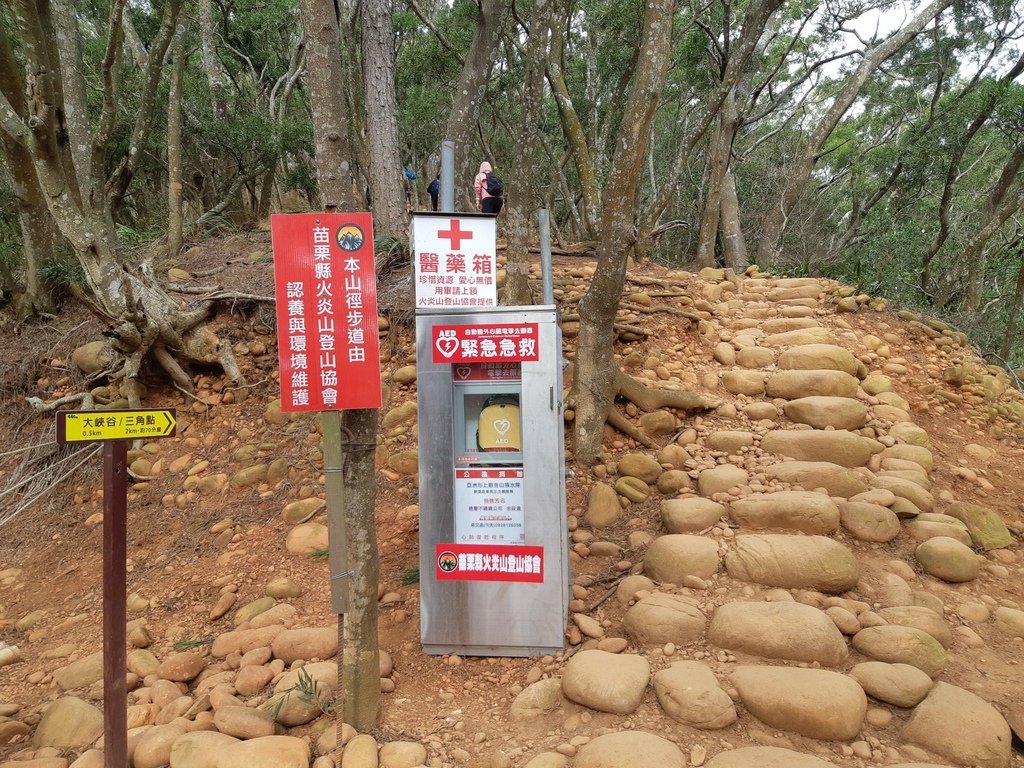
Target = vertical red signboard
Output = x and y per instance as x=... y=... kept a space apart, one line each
x=326 y=294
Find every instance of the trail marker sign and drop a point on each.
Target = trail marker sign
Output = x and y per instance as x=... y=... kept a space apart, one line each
x=134 y=424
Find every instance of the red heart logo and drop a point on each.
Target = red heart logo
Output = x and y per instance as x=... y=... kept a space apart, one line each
x=447 y=346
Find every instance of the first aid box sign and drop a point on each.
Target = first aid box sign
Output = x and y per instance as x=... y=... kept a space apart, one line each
x=454 y=261
x=326 y=292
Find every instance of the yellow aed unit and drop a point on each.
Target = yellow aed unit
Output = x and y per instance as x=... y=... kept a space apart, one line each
x=498 y=428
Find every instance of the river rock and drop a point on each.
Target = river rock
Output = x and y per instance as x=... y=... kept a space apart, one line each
x=947 y=559
x=812 y=702
x=836 y=480
x=822 y=412
x=778 y=630
x=253 y=609
x=199 y=749
x=901 y=685
x=689 y=692
x=640 y=465
x=659 y=618
x=986 y=527
x=181 y=667
x=906 y=489
x=266 y=752
x=799 y=510
x=607 y=682
x=930 y=525
x=300 y=511
x=869 y=522
x=1010 y=621
x=799 y=337
x=308 y=643
x=636 y=749
x=721 y=479
x=846 y=449
x=402 y=754
x=537 y=699
x=244 y=722
x=765 y=757
x=902 y=645
x=603 y=508
x=690 y=514
x=244 y=640
x=673 y=557
x=741 y=382
x=921 y=617
x=81 y=673
x=825 y=357
x=792 y=385
x=69 y=723
x=961 y=728
x=291 y=705
x=153 y=749
x=793 y=562
x=915 y=453
x=306 y=538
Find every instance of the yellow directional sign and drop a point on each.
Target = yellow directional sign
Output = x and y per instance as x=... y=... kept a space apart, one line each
x=134 y=424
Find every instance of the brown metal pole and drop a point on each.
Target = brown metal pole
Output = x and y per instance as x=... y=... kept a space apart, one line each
x=115 y=689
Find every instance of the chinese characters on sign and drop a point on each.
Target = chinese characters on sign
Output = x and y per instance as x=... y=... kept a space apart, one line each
x=455 y=260
x=489 y=506
x=469 y=562
x=485 y=343
x=326 y=294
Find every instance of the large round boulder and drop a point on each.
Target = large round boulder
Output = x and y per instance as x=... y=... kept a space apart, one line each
x=793 y=562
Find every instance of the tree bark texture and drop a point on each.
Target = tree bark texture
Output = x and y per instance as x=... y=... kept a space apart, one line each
x=520 y=198
x=718 y=161
x=359 y=673
x=174 y=182
x=594 y=381
x=798 y=175
x=469 y=93
x=65 y=23
x=330 y=129
x=734 y=245
x=386 y=181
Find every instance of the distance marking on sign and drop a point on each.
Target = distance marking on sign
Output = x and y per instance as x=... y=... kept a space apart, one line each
x=134 y=424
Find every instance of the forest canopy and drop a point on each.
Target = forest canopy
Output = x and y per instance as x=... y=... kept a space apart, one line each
x=873 y=141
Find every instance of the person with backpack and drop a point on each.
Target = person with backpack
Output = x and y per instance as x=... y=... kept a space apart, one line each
x=434 y=189
x=488 y=188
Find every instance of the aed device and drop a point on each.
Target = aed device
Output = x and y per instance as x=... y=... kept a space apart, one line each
x=494 y=565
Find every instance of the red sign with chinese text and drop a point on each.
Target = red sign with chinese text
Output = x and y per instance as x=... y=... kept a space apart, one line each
x=326 y=292
x=485 y=343
x=489 y=562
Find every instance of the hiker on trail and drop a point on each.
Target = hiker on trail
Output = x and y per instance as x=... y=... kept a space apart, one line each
x=408 y=177
x=488 y=188
x=434 y=190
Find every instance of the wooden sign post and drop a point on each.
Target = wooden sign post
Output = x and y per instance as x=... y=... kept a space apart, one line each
x=114 y=429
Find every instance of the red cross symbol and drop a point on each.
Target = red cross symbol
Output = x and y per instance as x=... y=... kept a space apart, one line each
x=454 y=235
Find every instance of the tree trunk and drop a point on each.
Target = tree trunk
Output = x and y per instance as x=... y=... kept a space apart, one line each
x=174 y=182
x=797 y=176
x=361 y=658
x=595 y=376
x=469 y=93
x=1013 y=320
x=359 y=672
x=572 y=128
x=734 y=246
x=516 y=291
x=65 y=23
x=721 y=147
x=330 y=129
x=386 y=181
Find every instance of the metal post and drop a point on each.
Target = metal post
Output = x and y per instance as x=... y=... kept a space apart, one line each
x=115 y=554
x=337 y=534
x=337 y=544
x=446 y=201
x=544 y=226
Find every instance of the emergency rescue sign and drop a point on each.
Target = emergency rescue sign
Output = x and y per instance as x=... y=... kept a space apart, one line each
x=326 y=292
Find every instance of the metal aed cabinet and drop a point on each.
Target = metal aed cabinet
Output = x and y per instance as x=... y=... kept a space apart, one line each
x=494 y=566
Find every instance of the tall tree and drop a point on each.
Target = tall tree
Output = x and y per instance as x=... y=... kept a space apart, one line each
x=469 y=93
x=521 y=194
x=798 y=175
x=385 y=173
x=595 y=374
x=360 y=670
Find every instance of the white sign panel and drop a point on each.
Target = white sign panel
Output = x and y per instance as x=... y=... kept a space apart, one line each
x=455 y=261
x=489 y=506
